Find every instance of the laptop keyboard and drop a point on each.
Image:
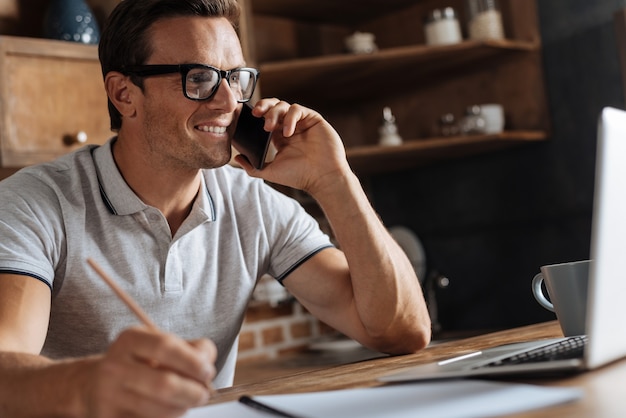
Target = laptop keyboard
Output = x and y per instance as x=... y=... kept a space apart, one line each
x=569 y=348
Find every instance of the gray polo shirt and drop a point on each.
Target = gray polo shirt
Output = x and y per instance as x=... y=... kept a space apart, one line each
x=196 y=284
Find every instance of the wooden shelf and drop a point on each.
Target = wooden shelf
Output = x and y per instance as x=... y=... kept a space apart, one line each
x=348 y=77
x=298 y=46
x=326 y=10
x=419 y=152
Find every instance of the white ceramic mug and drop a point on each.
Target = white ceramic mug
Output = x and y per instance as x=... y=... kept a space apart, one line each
x=567 y=289
x=493 y=114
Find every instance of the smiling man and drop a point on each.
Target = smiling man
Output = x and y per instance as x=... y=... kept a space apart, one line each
x=183 y=232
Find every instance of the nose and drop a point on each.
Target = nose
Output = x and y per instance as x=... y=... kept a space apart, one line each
x=224 y=98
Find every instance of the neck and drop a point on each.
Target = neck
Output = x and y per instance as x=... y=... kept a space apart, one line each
x=172 y=191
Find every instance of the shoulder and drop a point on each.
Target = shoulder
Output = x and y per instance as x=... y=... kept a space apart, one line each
x=55 y=170
x=46 y=182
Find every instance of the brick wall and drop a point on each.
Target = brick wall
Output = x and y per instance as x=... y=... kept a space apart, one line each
x=269 y=331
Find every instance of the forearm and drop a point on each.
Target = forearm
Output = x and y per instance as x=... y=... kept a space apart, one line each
x=34 y=386
x=386 y=292
x=376 y=298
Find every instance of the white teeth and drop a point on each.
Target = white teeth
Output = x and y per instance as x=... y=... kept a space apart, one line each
x=213 y=129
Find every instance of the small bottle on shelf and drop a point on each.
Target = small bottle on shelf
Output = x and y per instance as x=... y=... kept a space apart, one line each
x=485 y=20
x=389 y=131
x=473 y=123
x=448 y=125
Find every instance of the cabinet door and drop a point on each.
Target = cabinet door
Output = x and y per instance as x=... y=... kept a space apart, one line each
x=52 y=100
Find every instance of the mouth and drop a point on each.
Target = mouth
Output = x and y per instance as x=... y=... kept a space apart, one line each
x=211 y=129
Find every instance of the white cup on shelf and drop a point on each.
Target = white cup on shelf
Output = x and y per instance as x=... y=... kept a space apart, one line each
x=361 y=43
x=493 y=114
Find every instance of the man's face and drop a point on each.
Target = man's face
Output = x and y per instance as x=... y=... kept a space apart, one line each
x=179 y=132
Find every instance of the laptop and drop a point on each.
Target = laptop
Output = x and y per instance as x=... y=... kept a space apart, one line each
x=604 y=340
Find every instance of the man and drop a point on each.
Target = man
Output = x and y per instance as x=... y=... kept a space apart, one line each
x=185 y=234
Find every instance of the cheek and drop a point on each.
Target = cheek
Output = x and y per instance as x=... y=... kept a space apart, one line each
x=165 y=113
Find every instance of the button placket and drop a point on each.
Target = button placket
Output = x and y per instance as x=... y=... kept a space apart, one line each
x=173 y=270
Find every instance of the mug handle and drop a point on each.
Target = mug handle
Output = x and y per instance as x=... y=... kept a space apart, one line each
x=538 y=293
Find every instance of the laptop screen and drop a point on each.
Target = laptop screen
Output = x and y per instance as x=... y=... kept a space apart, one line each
x=606 y=305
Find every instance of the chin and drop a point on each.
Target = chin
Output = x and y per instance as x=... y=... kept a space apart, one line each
x=215 y=161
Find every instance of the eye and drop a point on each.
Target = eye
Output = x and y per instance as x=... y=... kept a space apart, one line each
x=200 y=76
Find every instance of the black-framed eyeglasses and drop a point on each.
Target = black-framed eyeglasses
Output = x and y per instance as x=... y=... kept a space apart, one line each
x=200 y=82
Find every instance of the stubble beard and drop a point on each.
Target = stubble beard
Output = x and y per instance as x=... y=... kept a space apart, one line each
x=185 y=152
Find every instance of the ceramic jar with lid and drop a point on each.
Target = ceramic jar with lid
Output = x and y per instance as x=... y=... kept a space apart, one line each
x=442 y=27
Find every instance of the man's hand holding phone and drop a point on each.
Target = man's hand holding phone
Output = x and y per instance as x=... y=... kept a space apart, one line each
x=310 y=155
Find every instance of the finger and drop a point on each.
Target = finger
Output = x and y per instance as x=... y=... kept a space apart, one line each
x=205 y=348
x=131 y=388
x=166 y=351
x=130 y=403
x=166 y=388
x=208 y=350
x=263 y=105
x=244 y=163
x=273 y=112
x=291 y=119
x=144 y=408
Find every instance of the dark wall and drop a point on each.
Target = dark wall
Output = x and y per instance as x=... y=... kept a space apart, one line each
x=489 y=222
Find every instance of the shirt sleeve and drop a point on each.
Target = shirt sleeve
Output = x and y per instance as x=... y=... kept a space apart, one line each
x=295 y=235
x=31 y=234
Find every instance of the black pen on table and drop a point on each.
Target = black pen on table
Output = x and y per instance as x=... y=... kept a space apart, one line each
x=259 y=406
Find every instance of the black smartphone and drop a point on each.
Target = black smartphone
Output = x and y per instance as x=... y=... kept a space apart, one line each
x=250 y=139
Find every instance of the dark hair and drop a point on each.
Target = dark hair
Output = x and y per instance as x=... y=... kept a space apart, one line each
x=124 y=41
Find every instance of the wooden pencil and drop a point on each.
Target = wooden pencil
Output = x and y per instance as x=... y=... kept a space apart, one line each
x=132 y=305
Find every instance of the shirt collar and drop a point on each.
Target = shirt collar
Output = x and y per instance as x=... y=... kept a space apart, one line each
x=120 y=198
x=117 y=195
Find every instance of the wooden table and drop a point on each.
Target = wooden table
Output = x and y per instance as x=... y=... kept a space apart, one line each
x=604 y=389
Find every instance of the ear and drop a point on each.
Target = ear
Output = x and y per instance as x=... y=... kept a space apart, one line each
x=120 y=90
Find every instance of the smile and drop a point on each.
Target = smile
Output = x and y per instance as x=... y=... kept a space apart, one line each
x=212 y=129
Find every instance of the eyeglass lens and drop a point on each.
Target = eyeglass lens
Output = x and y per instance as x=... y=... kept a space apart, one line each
x=201 y=83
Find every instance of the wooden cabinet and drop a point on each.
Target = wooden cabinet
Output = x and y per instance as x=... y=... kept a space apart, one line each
x=298 y=45
x=52 y=99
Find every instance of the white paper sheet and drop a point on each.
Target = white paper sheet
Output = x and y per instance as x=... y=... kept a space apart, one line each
x=444 y=399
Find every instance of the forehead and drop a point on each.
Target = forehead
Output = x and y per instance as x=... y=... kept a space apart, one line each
x=204 y=40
